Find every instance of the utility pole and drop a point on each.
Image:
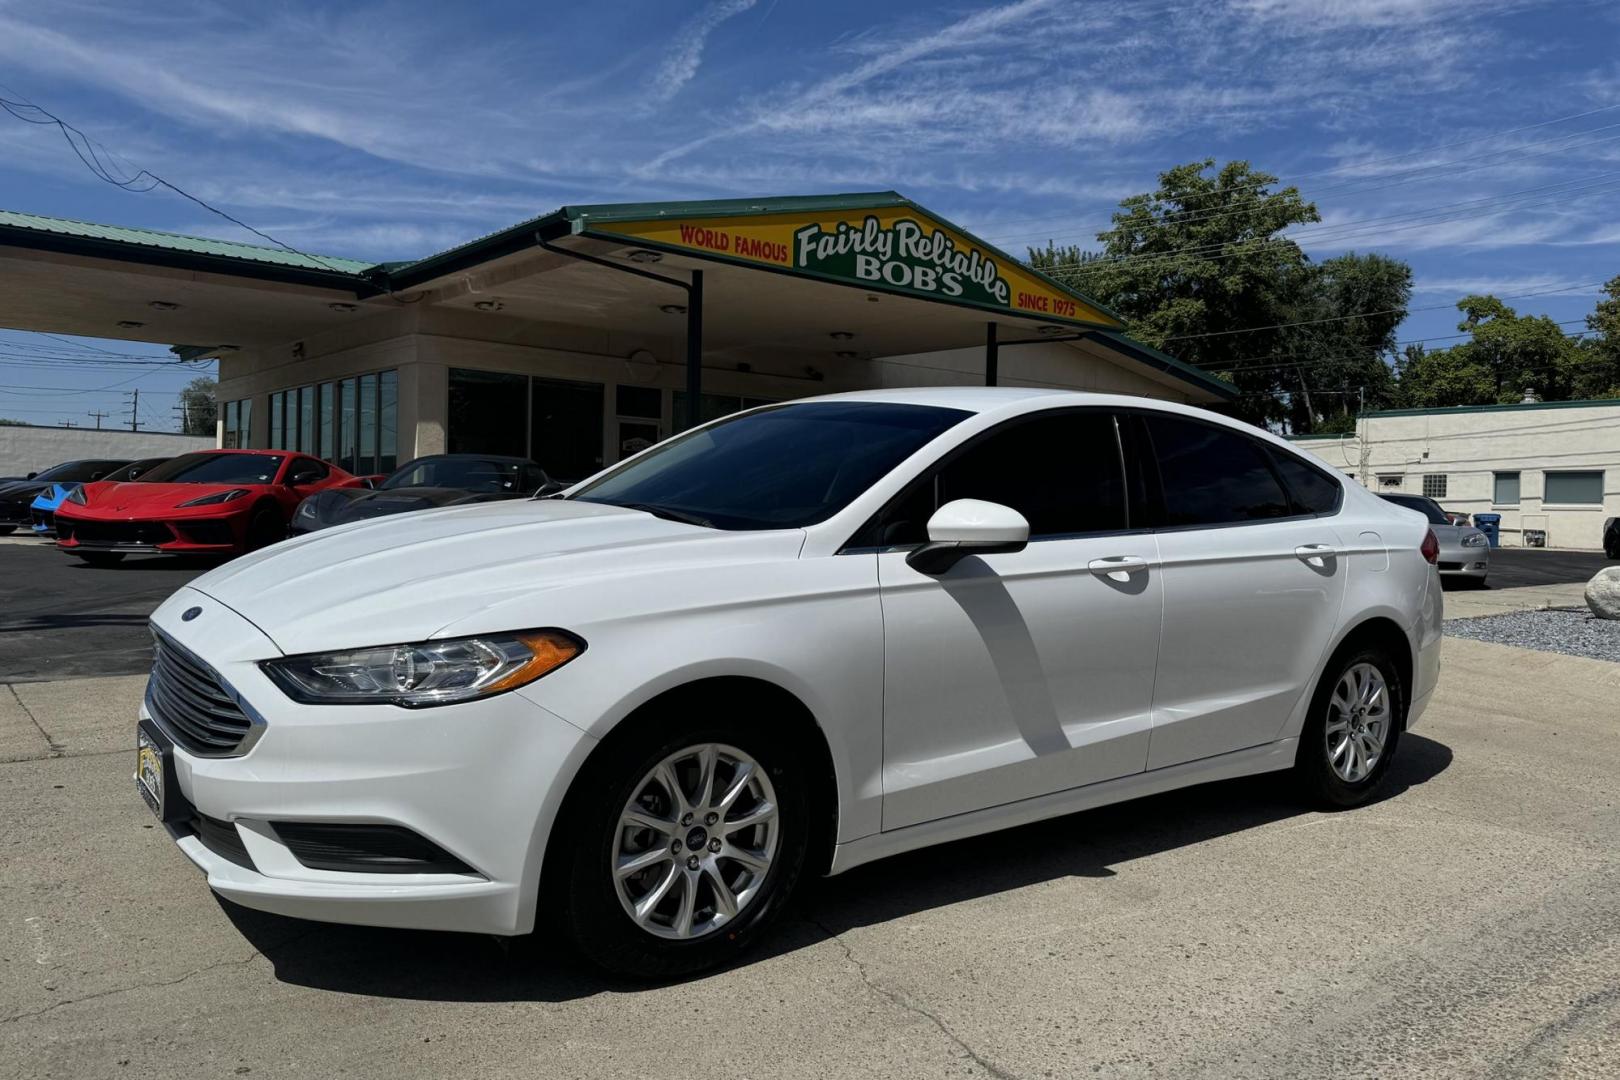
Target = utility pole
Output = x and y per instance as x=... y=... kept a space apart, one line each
x=134 y=409
x=100 y=416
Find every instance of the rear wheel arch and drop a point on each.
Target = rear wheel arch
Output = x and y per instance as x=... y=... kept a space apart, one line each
x=1384 y=634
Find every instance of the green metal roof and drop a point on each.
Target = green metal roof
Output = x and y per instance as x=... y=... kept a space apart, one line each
x=194 y=245
x=369 y=277
x=1516 y=407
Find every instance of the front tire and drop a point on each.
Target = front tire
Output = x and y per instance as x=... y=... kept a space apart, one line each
x=684 y=847
x=265 y=529
x=1350 y=736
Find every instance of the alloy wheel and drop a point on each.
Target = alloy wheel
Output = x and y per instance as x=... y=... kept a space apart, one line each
x=695 y=841
x=1357 y=722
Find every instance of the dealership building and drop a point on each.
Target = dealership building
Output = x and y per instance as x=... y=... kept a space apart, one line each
x=584 y=335
x=1549 y=469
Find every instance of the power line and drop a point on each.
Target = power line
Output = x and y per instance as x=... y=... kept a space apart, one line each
x=86 y=146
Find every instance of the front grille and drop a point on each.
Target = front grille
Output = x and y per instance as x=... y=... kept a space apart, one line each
x=137 y=533
x=186 y=697
x=366 y=849
x=222 y=839
x=1451 y=566
x=207 y=532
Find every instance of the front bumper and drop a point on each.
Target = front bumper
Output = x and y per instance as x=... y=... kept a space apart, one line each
x=1469 y=562
x=189 y=536
x=481 y=780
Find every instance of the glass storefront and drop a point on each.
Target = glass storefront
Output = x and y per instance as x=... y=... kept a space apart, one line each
x=351 y=422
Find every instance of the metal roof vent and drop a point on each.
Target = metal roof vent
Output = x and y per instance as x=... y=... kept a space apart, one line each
x=1530 y=396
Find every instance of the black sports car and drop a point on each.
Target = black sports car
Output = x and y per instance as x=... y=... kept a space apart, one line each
x=17 y=496
x=427 y=482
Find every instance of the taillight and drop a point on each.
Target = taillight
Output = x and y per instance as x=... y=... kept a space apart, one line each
x=1430 y=548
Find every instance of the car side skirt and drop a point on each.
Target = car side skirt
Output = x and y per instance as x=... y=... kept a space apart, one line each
x=1269 y=757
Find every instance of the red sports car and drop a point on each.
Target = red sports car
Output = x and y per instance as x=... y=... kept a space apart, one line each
x=215 y=502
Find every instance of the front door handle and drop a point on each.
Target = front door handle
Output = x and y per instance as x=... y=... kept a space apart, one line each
x=1316 y=554
x=1117 y=567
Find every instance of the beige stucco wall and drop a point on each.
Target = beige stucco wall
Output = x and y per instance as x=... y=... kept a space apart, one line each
x=1059 y=365
x=1469 y=447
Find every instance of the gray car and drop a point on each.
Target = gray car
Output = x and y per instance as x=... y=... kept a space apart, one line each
x=1465 y=552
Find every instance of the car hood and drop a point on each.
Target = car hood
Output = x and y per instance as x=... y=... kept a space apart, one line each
x=22 y=490
x=134 y=497
x=52 y=496
x=369 y=504
x=409 y=578
x=1451 y=535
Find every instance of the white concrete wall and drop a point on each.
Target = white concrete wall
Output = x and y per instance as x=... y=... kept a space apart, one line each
x=1469 y=447
x=29 y=449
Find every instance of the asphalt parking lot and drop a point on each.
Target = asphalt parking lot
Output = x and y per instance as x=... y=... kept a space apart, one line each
x=1467 y=924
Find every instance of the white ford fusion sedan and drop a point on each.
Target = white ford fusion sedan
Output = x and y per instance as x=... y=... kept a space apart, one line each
x=789 y=642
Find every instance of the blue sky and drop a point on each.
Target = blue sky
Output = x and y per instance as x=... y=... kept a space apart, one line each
x=1421 y=128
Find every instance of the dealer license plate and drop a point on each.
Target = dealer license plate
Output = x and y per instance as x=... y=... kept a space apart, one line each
x=149 y=770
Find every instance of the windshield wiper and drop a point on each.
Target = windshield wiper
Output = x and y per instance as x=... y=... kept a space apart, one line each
x=668 y=513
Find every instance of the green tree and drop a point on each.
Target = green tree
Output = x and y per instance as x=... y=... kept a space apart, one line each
x=1438 y=378
x=197 y=406
x=1200 y=268
x=1598 y=373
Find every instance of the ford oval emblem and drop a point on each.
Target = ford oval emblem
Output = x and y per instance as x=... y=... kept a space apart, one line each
x=190 y=613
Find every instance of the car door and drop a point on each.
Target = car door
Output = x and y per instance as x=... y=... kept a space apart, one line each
x=1014 y=675
x=1252 y=590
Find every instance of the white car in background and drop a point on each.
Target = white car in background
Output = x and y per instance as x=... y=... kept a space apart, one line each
x=792 y=641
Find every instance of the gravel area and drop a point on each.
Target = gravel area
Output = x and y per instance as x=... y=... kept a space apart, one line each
x=1571 y=631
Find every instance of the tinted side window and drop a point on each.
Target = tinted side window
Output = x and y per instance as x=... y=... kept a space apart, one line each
x=1212 y=476
x=1314 y=491
x=1062 y=472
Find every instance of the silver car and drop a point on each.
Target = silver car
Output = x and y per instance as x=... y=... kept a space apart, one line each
x=1465 y=552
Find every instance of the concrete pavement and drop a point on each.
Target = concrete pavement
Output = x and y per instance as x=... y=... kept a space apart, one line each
x=1466 y=925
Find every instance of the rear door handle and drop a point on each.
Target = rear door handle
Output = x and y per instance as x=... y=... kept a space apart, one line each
x=1316 y=554
x=1118 y=567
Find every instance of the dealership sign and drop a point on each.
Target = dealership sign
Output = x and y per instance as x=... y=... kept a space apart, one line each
x=892 y=250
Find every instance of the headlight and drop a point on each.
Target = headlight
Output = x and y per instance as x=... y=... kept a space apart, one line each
x=76 y=494
x=428 y=673
x=1475 y=540
x=218 y=497
x=306 y=508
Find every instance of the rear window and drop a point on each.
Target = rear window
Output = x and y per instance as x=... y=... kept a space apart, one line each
x=1213 y=476
x=1427 y=507
x=1314 y=491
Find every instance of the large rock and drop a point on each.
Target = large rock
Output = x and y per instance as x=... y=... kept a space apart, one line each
x=1603 y=593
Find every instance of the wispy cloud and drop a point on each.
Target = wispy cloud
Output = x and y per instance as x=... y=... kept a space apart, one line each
x=686 y=53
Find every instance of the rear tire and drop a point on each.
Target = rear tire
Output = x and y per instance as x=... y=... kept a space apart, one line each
x=101 y=558
x=684 y=926
x=1354 y=726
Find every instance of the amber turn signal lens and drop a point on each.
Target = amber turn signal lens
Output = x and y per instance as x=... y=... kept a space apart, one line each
x=551 y=651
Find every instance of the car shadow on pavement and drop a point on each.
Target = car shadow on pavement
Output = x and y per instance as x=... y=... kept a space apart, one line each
x=428 y=966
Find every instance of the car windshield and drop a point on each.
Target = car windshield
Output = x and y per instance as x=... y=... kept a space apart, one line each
x=216 y=469
x=466 y=474
x=778 y=468
x=77 y=470
x=1427 y=507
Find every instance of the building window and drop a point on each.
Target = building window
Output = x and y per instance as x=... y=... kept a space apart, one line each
x=1390 y=480
x=489 y=412
x=1574 y=488
x=1434 y=486
x=388 y=421
x=566 y=425
x=234 y=423
x=1506 y=492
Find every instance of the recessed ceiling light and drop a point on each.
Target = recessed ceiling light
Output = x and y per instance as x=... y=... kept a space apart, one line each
x=488 y=305
x=344 y=309
x=641 y=255
x=846 y=355
x=162 y=305
x=841 y=335
x=130 y=324
x=673 y=309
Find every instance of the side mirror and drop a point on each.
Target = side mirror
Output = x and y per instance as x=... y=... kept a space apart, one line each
x=966 y=527
x=30 y=476
x=550 y=487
